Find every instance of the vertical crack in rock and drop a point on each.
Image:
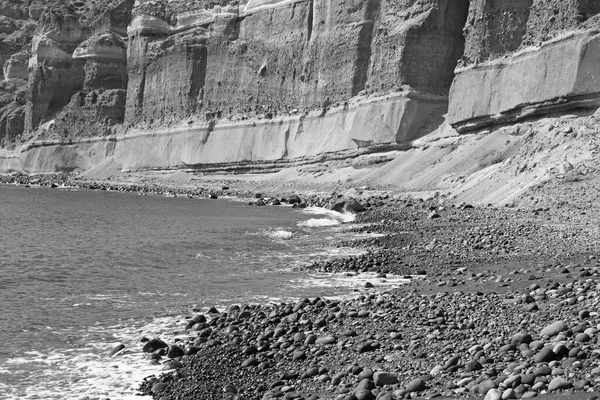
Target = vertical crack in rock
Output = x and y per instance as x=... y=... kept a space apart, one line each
x=136 y=65
x=363 y=51
x=309 y=20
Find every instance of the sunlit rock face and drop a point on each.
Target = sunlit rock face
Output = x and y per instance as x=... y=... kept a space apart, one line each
x=76 y=50
x=371 y=72
x=277 y=56
x=16 y=66
x=100 y=104
x=525 y=58
x=105 y=56
x=53 y=75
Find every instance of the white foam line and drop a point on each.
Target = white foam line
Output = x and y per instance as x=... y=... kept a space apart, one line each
x=279 y=234
x=319 y=222
x=343 y=217
x=358 y=280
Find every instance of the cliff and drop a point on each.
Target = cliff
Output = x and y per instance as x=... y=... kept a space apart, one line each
x=526 y=58
x=266 y=84
x=257 y=84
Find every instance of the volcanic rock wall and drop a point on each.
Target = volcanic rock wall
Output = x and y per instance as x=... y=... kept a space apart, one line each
x=256 y=83
x=16 y=31
x=188 y=84
x=526 y=58
x=282 y=58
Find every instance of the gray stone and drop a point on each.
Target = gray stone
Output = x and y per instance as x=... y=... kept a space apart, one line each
x=520 y=338
x=116 y=349
x=545 y=355
x=364 y=395
x=473 y=365
x=366 y=373
x=382 y=378
x=416 y=385
x=326 y=340
x=152 y=345
x=554 y=329
x=299 y=355
x=582 y=337
x=175 y=351
x=157 y=387
x=250 y=363
x=559 y=383
x=485 y=386
x=365 y=384
x=493 y=394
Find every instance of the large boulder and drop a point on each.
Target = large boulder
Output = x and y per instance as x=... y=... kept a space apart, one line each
x=154 y=344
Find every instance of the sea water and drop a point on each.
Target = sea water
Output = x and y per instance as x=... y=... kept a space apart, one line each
x=81 y=271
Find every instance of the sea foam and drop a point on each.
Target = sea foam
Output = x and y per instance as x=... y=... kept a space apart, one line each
x=280 y=234
x=333 y=218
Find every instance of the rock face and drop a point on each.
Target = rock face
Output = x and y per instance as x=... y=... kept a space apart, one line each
x=54 y=77
x=525 y=58
x=278 y=81
x=263 y=84
x=15 y=35
x=99 y=105
x=264 y=60
x=16 y=66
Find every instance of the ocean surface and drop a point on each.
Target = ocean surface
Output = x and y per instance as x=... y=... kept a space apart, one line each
x=81 y=271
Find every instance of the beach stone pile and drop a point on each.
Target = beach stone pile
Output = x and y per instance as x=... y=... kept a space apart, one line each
x=500 y=304
x=45 y=180
x=463 y=236
x=391 y=345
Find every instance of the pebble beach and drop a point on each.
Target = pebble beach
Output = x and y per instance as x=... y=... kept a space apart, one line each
x=501 y=304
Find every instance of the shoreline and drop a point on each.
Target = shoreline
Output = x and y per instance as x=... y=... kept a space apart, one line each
x=492 y=281
x=201 y=188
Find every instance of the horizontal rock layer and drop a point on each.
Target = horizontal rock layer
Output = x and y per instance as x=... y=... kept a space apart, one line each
x=261 y=145
x=564 y=73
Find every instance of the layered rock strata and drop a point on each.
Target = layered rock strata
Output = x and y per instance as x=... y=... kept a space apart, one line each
x=526 y=58
x=281 y=82
x=257 y=85
x=99 y=105
x=54 y=76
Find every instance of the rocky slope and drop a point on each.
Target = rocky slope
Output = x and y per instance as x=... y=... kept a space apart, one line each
x=257 y=86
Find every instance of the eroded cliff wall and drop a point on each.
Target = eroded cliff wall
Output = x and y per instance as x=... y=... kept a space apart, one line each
x=526 y=58
x=234 y=84
x=283 y=58
x=267 y=83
